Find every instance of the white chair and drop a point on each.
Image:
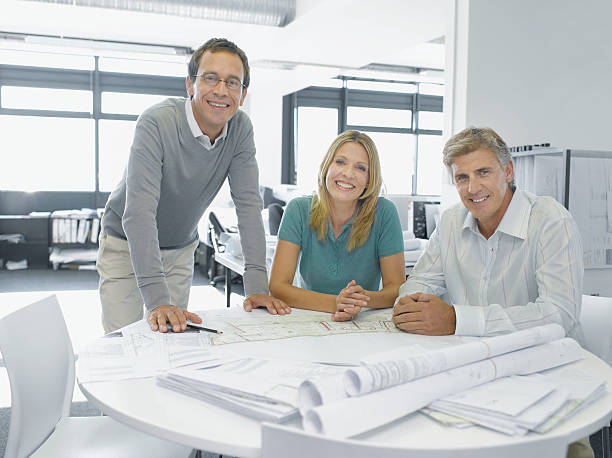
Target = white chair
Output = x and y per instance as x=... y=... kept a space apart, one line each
x=281 y=441
x=39 y=360
x=596 y=322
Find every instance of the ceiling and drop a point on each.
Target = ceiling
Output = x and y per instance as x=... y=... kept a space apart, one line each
x=329 y=33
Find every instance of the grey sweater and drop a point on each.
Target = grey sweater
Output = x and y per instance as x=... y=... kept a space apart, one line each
x=169 y=182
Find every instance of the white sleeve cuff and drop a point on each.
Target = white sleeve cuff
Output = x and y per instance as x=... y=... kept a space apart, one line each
x=470 y=320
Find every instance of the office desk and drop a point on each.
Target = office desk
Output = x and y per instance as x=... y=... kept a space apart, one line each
x=164 y=413
x=231 y=264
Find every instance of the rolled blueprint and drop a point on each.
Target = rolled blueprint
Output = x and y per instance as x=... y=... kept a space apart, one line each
x=345 y=418
x=387 y=372
x=388 y=369
x=321 y=390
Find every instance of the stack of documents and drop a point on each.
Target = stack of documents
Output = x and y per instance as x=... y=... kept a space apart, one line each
x=258 y=388
x=138 y=352
x=391 y=386
x=516 y=405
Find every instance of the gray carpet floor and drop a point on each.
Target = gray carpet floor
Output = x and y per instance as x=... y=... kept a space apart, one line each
x=65 y=279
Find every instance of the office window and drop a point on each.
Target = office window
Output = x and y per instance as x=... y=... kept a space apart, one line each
x=431 y=120
x=122 y=103
x=396 y=153
x=405 y=123
x=378 y=117
x=430 y=166
x=39 y=98
x=45 y=59
x=145 y=67
x=47 y=154
x=381 y=86
x=69 y=120
x=115 y=142
x=317 y=128
x=431 y=89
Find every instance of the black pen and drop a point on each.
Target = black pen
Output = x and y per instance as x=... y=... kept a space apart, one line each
x=203 y=328
x=195 y=327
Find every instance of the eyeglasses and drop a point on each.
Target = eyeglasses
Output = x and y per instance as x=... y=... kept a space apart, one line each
x=211 y=79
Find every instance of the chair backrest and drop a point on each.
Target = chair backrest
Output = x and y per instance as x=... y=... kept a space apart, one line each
x=216 y=229
x=275 y=214
x=39 y=360
x=281 y=441
x=267 y=195
x=596 y=323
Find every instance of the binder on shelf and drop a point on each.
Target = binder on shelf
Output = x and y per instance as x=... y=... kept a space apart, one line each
x=95 y=229
x=74 y=229
x=83 y=232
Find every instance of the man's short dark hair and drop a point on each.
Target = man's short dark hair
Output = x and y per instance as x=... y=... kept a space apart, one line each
x=215 y=45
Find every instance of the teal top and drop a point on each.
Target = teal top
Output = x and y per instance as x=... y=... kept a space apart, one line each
x=325 y=266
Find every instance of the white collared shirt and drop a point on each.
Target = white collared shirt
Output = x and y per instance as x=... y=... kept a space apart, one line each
x=528 y=273
x=196 y=131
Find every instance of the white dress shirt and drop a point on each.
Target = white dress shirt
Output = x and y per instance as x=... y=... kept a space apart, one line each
x=197 y=132
x=528 y=273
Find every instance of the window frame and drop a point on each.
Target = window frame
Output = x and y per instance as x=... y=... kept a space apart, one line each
x=342 y=98
x=95 y=81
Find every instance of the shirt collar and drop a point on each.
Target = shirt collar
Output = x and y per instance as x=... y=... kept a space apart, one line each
x=195 y=129
x=515 y=220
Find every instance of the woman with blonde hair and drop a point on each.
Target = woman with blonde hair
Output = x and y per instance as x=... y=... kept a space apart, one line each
x=343 y=239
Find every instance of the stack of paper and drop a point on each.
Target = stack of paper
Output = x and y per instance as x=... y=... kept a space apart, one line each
x=139 y=352
x=390 y=386
x=412 y=362
x=262 y=389
x=386 y=405
x=516 y=405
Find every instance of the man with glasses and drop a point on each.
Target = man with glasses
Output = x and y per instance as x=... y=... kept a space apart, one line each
x=183 y=150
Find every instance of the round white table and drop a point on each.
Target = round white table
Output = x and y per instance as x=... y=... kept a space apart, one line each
x=140 y=403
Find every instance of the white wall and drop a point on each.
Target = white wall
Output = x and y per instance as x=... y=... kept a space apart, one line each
x=541 y=71
x=265 y=109
x=535 y=72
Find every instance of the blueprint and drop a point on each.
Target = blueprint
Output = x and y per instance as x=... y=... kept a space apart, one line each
x=243 y=327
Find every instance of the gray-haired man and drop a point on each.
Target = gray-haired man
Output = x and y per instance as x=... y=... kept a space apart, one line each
x=502 y=260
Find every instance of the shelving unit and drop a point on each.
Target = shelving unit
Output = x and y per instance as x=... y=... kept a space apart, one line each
x=35 y=246
x=74 y=237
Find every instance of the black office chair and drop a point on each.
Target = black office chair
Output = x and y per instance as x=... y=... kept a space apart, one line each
x=275 y=214
x=215 y=229
x=267 y=195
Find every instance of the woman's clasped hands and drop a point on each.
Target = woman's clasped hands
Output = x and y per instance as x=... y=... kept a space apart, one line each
x=349 y=302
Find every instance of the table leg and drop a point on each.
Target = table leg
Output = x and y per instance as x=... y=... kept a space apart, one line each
x=228 y=285
x=605 y=436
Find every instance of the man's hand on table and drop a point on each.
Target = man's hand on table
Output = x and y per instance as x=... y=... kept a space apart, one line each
x=159 y=316
x=275 y=306
x=427 y=314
